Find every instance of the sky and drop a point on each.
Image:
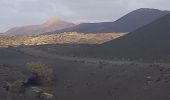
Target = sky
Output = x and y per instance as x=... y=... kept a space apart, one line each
x=27 y=12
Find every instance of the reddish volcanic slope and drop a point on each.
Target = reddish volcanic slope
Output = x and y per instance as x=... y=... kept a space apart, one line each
x=50 y=25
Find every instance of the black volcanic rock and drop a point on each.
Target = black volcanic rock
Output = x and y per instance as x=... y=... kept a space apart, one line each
x=127 y=23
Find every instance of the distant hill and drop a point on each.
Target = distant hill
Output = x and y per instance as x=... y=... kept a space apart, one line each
x=127 y=23
x=49 y=26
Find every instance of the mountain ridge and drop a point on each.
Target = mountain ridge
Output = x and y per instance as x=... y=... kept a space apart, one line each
x=127 y=23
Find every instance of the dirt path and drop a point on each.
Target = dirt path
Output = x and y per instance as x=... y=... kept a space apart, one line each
x=43 y=54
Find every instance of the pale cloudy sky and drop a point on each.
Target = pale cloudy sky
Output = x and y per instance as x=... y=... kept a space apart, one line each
x=25 y=12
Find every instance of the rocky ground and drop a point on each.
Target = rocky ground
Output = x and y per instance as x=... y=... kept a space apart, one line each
x=90 y=79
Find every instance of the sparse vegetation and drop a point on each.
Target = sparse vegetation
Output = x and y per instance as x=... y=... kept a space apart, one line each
x=45 y=73
x=67 y=37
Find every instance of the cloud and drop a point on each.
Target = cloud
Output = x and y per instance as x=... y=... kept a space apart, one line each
x=24 y=12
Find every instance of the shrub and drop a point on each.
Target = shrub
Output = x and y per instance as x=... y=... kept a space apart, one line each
x=45 y=73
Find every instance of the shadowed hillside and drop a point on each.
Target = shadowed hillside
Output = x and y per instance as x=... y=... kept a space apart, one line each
x=150 y=41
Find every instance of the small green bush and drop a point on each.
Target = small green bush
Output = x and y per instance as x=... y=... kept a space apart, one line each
x=45 y=73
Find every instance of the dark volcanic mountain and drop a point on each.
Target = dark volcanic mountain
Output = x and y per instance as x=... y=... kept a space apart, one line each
x=49 y=26
x=127 y=23
x=150 y=41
